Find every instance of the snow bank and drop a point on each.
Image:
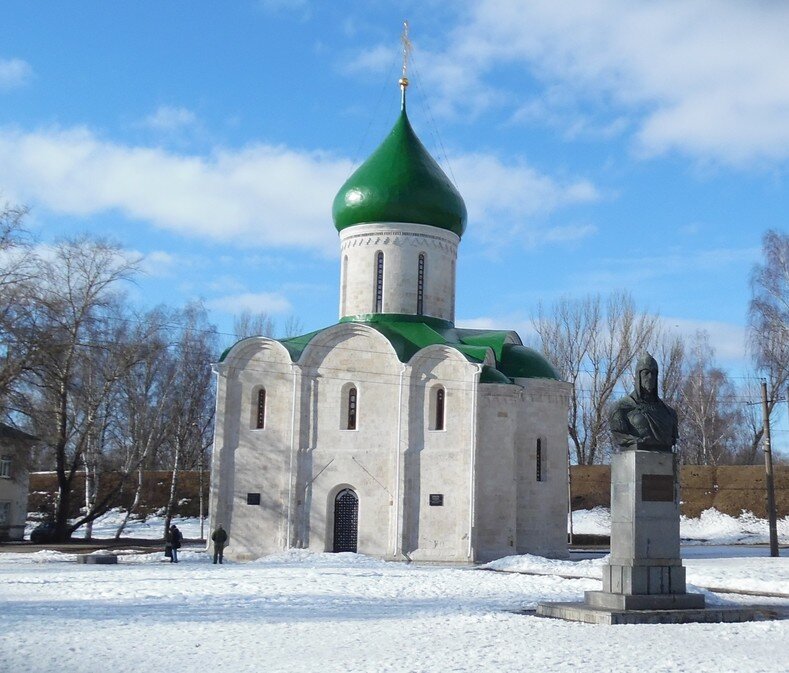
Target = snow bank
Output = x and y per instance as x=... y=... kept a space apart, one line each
x=712 y=527
x=527 y=563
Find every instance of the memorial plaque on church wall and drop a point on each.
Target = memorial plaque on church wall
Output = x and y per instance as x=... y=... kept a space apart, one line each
x=436 y=499
x=657 y=488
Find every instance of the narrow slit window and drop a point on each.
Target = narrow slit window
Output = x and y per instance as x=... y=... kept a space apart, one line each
x=351 y=409
x=260 y=416
x=344 y=284
x=420 y=285
x=538 y=460
x=379 y=282
x=440 y=407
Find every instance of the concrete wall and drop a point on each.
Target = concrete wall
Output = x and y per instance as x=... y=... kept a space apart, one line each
x=401 y=245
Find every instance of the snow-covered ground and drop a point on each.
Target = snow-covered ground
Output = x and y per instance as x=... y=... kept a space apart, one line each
x=712 y=527
x=151 y=528
x=300 y=611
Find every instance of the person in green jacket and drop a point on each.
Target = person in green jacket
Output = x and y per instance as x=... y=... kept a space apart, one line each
x=219 y=538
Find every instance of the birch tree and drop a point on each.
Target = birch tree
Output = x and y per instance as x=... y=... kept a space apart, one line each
x=593 y=342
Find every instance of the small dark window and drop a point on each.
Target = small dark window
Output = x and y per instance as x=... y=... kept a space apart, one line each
x=253 y=498
x=420 y=285
x=538 y=460
x=436 y=499
x=440 y=397
x=352 y=409
x=379 y=283
x=260 y=417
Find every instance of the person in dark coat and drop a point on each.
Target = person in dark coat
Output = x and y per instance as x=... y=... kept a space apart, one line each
x=173 y=541
x=219 y=538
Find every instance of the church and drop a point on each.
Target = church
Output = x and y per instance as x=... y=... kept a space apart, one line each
x=392 y=433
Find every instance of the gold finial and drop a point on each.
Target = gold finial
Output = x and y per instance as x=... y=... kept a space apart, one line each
x=407 y=48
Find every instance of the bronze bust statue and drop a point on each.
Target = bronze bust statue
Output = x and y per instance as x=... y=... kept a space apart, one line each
x=642 y=420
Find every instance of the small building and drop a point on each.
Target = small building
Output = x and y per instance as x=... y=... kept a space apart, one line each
x=393 y=433
x=14 y=459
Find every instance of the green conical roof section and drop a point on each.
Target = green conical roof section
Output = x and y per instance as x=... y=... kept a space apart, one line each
x=400 y=182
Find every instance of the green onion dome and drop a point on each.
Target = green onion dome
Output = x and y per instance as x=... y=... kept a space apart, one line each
x=522 y=362
x=400 y=182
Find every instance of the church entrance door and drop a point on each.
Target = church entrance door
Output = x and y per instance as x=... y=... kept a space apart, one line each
x=346 y=521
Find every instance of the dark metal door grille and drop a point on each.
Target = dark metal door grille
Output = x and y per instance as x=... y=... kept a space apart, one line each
x=346 y=521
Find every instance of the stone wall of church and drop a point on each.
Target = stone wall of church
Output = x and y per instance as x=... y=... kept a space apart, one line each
x=420 y=487
x=333 y=457
x=250 y=466
x=438 y=462
x=401 y=245
x=496 y=471
x=542 y=502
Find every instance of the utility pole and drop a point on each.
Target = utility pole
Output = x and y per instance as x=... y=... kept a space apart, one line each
x=569 y=496
x=768 y=468
x=200 y=470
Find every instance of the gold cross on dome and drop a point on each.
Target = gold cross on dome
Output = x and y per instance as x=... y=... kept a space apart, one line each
x=407 y=48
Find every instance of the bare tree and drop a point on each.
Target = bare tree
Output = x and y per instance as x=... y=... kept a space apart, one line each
x=248 y=324
x=86 y=354
x=144 y=397
x=711 y=420
x=292 y=327
x=593 y=343
x=190 y=411
x=669 y=351
x=19 y=340
x=769 y=329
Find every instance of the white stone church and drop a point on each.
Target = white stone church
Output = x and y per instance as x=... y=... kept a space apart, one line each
x=392 y=433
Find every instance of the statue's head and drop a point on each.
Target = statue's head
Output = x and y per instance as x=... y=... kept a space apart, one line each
x=647 y=375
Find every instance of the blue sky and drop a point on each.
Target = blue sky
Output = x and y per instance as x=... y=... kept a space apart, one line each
x=598 y=145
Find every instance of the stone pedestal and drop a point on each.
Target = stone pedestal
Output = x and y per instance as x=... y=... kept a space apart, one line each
x=645 y=571
x=644 y=582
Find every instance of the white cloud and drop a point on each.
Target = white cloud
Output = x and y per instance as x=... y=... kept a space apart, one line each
x=375 y=59
x=159 y=263
x=507 y=198
x=256 y=302
x=259 y=195
x=168 y=118
x=707 y=78
x=14 y=72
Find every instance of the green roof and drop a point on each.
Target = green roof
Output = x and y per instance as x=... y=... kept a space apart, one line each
x=409 y=334
x=400 y=182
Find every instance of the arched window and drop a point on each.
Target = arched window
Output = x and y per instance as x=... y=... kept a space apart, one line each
x=420 y=285
x=538 y=460
x=440 y=400
x=260 y=412
x=436 y=411
x=379 y=282
x=352 y=401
